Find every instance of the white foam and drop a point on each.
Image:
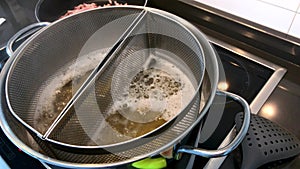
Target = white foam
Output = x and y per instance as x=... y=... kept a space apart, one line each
x=48 y=91
x=157 y=98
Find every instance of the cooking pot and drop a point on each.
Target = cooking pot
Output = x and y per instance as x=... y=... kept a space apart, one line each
x=20 y=65
x=51 y=10
x=47 y=11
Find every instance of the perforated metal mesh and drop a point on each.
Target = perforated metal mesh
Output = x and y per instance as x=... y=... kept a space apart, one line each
x=93 y=105
x=74 y=137
x=54 y=51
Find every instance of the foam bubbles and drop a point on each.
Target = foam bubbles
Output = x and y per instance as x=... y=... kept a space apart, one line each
x=161 y=91
x=59 y=89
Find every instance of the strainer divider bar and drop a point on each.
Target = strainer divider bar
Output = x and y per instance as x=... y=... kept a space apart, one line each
x=97 y=71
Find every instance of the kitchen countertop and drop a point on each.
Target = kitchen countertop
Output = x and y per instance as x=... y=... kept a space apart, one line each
x=281 y=16
x=282 y=107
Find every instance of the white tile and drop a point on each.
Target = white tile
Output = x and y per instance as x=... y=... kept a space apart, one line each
x=295 y=28
x=256 y=11
x=287 y=4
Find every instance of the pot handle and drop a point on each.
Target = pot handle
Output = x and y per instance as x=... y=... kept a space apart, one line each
x=28 y=30
x=232 y=145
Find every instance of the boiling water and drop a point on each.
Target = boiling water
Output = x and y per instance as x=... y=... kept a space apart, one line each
x=161 y=90
x=162 y=87
x=158 y=93
x=58 y=91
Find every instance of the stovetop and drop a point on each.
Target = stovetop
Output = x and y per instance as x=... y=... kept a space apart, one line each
x=248 y=75
x=244 y=76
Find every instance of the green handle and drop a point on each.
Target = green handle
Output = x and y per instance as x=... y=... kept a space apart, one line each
x=150 y=163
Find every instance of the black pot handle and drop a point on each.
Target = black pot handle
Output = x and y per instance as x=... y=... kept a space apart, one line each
x=232 y=145
x=27 y=31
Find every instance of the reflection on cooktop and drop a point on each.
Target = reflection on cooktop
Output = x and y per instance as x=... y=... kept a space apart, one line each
x=243 y=76
x=234 y=69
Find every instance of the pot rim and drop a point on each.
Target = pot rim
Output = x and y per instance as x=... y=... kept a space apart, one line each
x=170 y=17
x=210 y=58
x=40 y=3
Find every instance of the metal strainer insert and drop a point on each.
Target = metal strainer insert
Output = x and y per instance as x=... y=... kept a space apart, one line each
x=107 y=77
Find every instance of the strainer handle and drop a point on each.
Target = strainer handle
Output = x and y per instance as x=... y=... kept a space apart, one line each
x=27 y=31
x=231 y=146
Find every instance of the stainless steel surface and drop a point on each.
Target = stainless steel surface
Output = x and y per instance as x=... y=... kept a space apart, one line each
x=58 y=62
x=284 y=99
x=217 y=162
x=67 y=133
x=137 y=150
x=224 y=150
x=44 y=14
x=2 y=20
x=102 y=66
x=27 y=29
